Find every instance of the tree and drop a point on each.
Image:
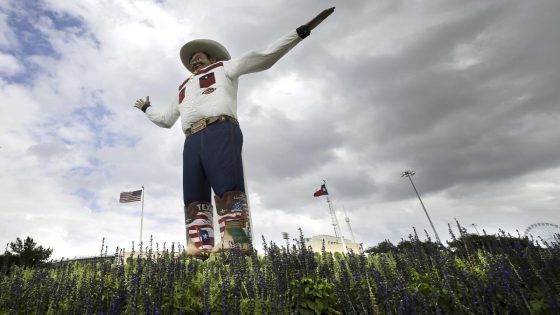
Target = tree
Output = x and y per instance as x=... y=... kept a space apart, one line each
x=26 y=253
x=414 y=244
x=383 y=247
x=471 y=243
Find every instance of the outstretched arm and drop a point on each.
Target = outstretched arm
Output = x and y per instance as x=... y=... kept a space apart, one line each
x=263 y=59
x=165 y=118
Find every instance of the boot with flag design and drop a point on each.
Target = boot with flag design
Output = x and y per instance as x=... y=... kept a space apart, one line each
x=235 y=226
x=200 y=231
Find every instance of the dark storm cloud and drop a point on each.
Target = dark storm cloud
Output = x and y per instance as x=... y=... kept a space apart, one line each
x=456 y=125
x=287 y=148
x=352 y=184
x=488 y=122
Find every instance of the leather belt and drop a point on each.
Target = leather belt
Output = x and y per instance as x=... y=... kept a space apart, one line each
x=205 y=122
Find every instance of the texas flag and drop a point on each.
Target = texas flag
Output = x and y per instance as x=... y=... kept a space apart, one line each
x=207 y=80
x=201 y=231
x=202 y=236
x=321 y=192
x=205 y=237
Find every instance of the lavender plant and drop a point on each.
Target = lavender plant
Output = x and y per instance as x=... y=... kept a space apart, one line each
x=483 y=274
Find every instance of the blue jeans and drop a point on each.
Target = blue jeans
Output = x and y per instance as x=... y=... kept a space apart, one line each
x=212 y=159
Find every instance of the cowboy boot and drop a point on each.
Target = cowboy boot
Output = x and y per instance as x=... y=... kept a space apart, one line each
x=200 y=231
x=235 y=225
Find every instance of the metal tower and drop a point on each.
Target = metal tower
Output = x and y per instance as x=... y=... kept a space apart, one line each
x=337 y=231
x=349 y=227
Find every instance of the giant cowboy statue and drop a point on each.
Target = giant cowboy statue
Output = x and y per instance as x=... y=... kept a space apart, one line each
x=207 y=104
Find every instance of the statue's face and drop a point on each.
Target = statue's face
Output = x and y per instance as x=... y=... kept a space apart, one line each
x=200 y=60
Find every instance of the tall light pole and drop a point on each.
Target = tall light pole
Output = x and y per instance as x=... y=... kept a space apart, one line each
x=286 y=236
x=409 y=174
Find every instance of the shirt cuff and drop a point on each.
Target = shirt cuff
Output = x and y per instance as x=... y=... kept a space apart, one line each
x=145 y=107
x=303 y=31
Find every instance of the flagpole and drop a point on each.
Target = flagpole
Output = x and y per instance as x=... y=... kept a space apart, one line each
x=337 y=229
x=247 y=197
x=142 y=216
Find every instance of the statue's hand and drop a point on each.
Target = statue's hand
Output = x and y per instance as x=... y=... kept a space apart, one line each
x=319 y=18
x=141 y=103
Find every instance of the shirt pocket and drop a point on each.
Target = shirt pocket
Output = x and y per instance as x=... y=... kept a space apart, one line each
x=207 y=80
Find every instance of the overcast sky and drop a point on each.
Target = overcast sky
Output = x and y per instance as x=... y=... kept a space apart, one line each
x=465 y=93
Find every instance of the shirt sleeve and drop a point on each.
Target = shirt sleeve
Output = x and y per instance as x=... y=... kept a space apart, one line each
x=165 y=118
x=262 y=59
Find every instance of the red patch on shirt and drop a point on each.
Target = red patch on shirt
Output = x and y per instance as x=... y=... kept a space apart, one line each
x=181 y=95
x=210 y=67
x=183 y=84
x=207 y=80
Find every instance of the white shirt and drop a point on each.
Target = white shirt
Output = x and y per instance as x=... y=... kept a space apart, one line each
x=213 y=90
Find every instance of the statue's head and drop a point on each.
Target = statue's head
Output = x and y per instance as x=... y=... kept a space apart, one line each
x=201 y=51
x=200 y=60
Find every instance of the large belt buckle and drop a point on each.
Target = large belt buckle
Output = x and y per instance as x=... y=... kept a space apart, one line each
x=199 y=125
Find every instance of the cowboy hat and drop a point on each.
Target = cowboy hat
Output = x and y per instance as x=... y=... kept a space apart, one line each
x=208 y=46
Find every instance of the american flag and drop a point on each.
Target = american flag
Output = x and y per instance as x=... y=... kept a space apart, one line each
x=131 y=196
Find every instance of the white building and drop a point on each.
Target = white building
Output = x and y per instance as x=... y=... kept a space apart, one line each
x=332 y=244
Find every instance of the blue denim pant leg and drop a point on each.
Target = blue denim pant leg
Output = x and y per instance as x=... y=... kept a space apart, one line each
x=195 y=183
x=222 y=143
x=212 y=158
